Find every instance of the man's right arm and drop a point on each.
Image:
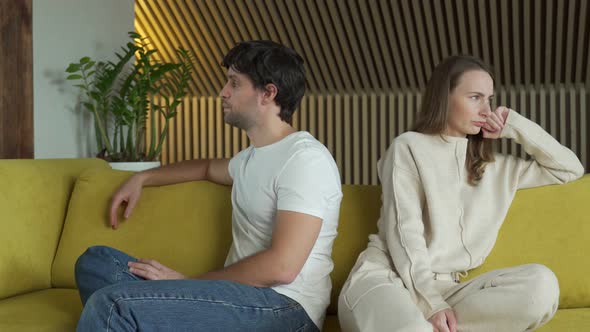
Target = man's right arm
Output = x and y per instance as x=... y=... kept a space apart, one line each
x=214 y=170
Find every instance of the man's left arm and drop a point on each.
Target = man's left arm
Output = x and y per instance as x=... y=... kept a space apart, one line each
x=293 y=238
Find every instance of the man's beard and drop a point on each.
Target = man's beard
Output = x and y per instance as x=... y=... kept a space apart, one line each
x=238 y=120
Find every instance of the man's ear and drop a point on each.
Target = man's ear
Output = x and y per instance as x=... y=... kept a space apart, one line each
x=269 y=94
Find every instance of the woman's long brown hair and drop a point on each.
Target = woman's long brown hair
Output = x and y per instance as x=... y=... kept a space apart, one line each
x=434 y=111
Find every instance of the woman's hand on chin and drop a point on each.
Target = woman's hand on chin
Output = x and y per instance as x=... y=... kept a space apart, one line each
x=495 y=123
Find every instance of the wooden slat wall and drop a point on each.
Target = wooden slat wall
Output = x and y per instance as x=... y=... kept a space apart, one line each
x=358 y=127
x=365 y=60
x=380 y=45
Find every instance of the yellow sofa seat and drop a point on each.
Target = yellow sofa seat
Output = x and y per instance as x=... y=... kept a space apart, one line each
x=48 y=310
x=54 y=209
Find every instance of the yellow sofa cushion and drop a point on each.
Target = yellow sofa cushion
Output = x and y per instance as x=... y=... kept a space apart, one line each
x=47 y=310
x=565 y=320
x=359 y=212
x=186 y=226
x=33 y=203
x=568 y=320
x=549 y=225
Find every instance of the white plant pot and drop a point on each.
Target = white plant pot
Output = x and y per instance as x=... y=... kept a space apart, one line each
x=134 y=166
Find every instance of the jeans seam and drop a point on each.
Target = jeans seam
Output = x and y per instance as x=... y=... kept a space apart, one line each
x=302 y=328
x=111 y=314
x=123 y=299
x=289 y=307
x=121 y=269
x=172 y=298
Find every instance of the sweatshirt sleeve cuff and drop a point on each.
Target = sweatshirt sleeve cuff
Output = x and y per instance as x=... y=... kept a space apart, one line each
x=438 y=308
x=512 y=122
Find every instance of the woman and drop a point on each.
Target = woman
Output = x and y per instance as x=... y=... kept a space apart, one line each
x=445 y=196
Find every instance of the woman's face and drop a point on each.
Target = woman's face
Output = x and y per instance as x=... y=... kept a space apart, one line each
x=469 y=103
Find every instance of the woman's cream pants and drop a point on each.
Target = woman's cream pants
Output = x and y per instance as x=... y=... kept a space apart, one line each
x=515 y=299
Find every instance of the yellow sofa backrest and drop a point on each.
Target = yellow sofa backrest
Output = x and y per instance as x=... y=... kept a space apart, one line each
x=551 y=226
x=188 y=227
x=185 y=226
x=34 y=197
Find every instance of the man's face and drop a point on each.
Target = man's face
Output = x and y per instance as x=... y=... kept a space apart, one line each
x=240 y=100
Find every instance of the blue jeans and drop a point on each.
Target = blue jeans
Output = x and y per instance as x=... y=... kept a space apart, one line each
x=116 y=300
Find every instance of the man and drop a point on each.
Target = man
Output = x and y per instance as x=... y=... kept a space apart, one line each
x=286 y=197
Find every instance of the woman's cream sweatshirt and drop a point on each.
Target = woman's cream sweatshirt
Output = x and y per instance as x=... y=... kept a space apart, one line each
x=434 y=221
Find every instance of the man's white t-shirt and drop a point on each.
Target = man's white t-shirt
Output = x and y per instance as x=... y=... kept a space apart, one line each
x=295 y=174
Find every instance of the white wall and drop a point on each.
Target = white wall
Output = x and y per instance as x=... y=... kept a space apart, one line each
x=63 y=32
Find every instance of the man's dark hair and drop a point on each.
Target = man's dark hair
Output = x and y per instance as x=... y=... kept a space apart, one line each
x=265 y=62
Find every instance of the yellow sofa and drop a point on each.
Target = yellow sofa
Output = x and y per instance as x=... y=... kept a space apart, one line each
x=51 y=210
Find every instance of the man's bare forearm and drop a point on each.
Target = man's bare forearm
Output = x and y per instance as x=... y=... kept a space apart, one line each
x=185 y=171
x=263 y=269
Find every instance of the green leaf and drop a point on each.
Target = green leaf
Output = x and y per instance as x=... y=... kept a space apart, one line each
x=89 y=106
x=73 y=67
x=84 y=60
x=89 y=65
x=134 y=34
x=74 y=77
x=95 y=95
x=81 y=86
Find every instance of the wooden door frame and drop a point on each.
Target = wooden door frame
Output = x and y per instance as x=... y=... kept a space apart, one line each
x=16 y=80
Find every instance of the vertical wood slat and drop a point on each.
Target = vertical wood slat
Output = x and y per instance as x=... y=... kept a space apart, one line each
x=537 y=59
x=559 y=27
x=505 y=36
x=356 y=138
x=582 y=33
x=495 y=25
x=548 y=25
x=569 y=49
x=516 y=65
x=347 y=162
x=527 y=41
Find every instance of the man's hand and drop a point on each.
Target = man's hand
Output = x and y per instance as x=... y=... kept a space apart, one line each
x=495 y=123
x=444 y=321
x=152 y=270
x=129 y=192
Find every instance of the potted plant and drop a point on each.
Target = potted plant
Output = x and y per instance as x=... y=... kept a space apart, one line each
x=121 y=97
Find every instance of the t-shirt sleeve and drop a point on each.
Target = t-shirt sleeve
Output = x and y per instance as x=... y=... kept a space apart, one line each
x=309 y=183
x=235 y=162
